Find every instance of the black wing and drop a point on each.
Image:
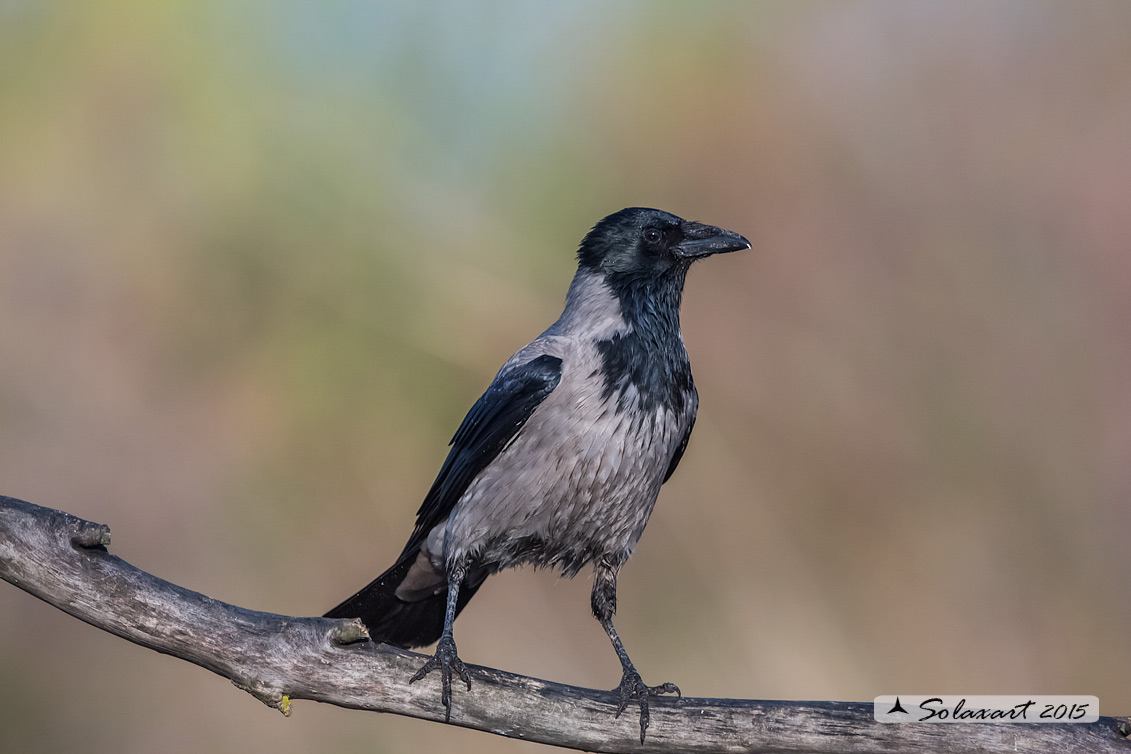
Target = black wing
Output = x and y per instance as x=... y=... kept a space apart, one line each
x=679 y=450
x=489 y=426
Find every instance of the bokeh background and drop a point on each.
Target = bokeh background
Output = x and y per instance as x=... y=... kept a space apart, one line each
x=257 y=259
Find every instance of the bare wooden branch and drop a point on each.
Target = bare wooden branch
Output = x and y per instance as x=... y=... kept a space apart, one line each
x=63 y=561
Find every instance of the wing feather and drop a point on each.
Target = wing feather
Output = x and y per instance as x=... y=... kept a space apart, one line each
x=490 y=425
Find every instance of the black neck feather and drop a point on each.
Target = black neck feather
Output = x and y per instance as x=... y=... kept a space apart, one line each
x=650 y=356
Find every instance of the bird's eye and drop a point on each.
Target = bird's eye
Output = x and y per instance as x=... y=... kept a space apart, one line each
x=652 y=236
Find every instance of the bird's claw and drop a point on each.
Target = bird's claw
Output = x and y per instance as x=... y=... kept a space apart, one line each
x=632 y=688
x=446 y=660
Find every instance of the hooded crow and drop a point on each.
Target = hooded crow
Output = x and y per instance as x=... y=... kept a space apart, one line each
x=560 y=461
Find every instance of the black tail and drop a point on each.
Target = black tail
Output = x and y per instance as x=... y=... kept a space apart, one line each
x=392 y=620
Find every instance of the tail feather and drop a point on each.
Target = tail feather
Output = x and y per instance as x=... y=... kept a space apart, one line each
x=392 y=620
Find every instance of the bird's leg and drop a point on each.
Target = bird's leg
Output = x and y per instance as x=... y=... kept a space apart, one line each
x=446 y=658
x=632 y=687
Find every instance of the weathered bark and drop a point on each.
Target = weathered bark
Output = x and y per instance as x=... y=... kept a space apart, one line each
x=63 y=561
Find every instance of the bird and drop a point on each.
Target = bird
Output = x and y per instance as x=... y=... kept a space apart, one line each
x=559 y=463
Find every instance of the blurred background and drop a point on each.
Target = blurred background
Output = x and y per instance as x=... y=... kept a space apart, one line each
x=258 y=259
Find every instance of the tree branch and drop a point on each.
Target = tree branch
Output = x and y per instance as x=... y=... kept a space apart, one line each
x=63 y=560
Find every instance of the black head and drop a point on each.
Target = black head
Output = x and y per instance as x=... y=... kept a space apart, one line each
x=641 y=242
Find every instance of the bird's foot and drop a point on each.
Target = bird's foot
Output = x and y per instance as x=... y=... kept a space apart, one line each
x=633 y=689
x=446 y=660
